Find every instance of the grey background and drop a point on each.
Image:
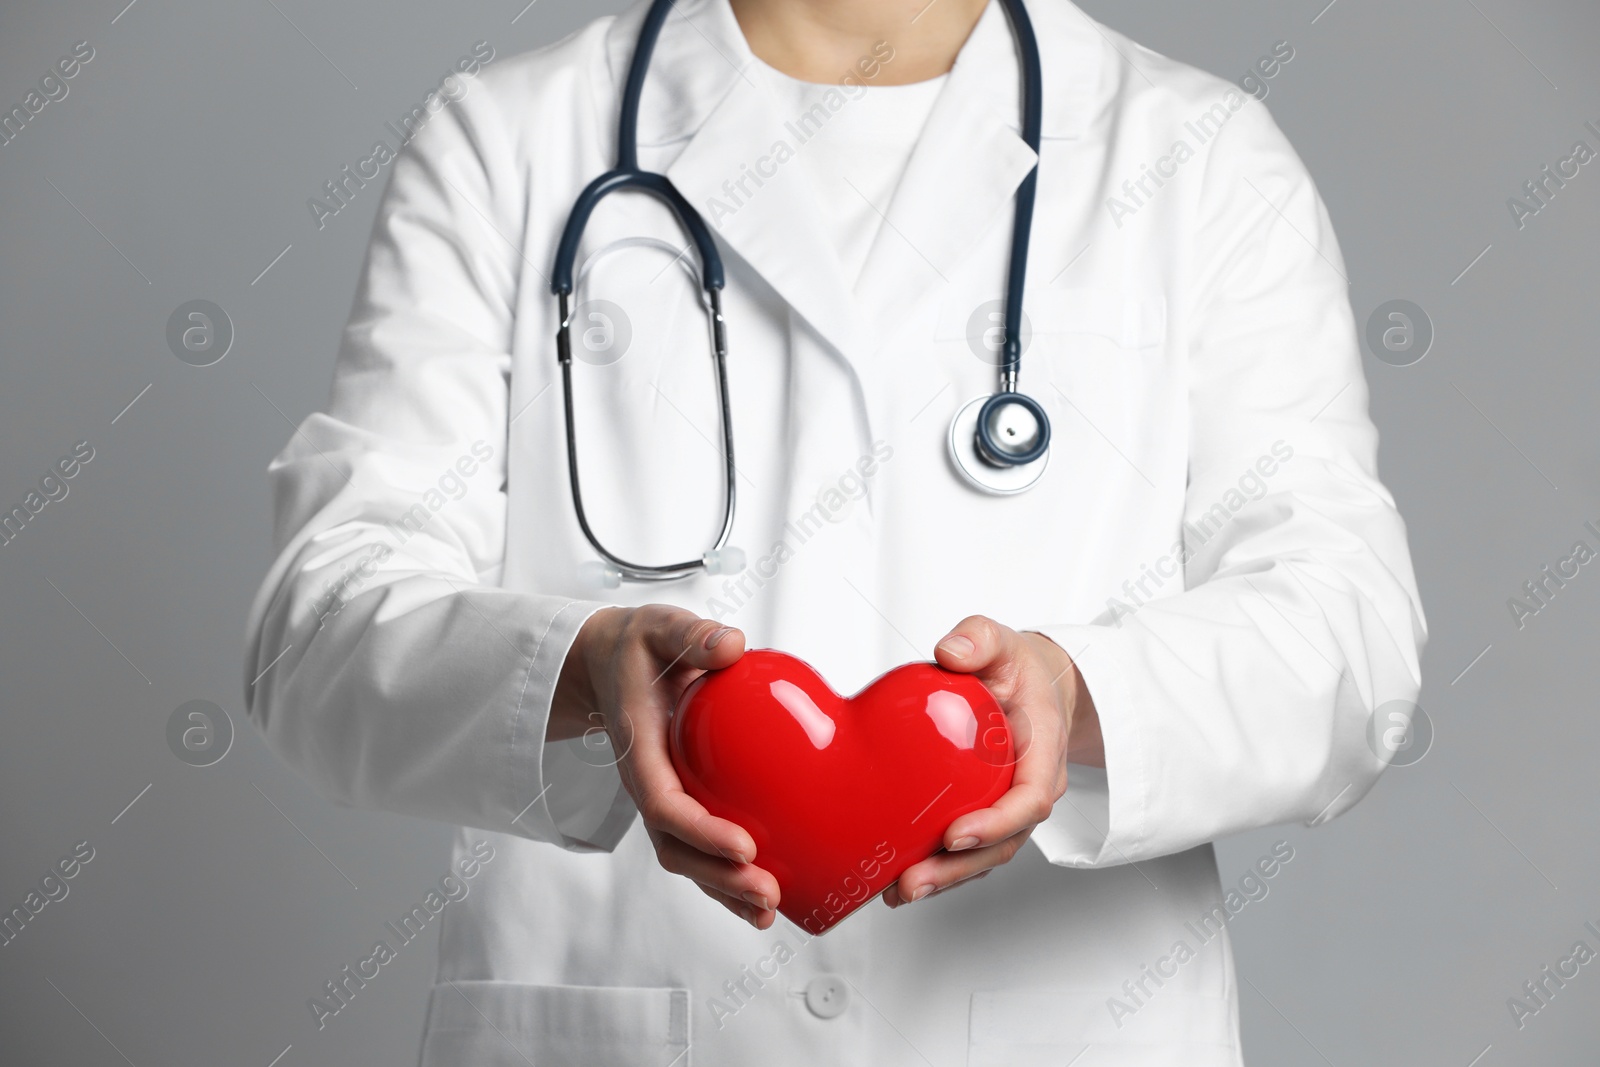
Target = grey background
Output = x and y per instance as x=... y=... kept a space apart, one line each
x=207 y=918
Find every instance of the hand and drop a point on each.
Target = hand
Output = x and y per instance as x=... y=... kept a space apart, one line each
x=1052 y=719
x=625 y=673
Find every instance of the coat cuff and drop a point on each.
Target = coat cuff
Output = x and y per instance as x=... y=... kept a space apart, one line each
x=567 y=793
x=1100 y=820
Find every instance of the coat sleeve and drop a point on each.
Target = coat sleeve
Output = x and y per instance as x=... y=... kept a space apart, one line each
x=383 y=661
x=1245 y=699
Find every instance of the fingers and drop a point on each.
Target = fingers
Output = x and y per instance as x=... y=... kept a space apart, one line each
x=977 y=645
x=761 y=920
x=646 y=706
x=655 y=651
x=671 y=811
x=1038 y=782
x=1011 y=668
x=958 y=884
x=943 y=870
x=891 y=896
x=679 y=638
x=742 y=882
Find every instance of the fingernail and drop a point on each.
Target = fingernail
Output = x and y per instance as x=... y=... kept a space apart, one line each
x=715 y=636
x=758 y=900
x=738 y=857
x=747 y=915
x=958 y=646
x=962 y=842
x=920 y=892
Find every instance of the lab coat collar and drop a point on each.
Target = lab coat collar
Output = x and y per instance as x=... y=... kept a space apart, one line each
x=702 y=52
x=704 y=94
x=960 y=183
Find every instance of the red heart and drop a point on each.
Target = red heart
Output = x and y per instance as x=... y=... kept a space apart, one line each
x=842 y=795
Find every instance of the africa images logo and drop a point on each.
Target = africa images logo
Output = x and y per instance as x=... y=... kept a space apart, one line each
x=343 y=187
x=736 y=192
x=342 y=988
x=53 y=88
x=1252 y=887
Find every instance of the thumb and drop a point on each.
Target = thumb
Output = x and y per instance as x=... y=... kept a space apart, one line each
x=685 y=639
x=975 y=645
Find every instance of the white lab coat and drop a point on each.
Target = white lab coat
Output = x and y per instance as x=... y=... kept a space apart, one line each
x=1210 y=542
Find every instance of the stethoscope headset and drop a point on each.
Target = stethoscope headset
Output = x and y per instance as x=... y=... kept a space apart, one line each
x=998 y=444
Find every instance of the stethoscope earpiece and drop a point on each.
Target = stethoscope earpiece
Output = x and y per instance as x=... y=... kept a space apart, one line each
x=729 y=559
x=597 y=574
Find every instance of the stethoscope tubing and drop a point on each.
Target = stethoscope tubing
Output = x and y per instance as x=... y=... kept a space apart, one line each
x=627 y=568
x=1022 y=219
x=628 y=175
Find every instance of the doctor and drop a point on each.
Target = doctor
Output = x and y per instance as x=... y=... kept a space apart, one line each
x=1189 y=613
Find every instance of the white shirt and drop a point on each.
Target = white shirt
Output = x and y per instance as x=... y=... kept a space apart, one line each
x=853 y=157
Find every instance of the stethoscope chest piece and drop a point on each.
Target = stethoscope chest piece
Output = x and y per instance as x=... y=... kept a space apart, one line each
x=1018 y=437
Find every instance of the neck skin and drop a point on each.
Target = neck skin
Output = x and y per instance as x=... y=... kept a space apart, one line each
x=823 y=40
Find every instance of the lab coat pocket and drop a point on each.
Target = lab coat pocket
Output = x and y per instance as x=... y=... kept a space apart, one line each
x=1132 y=320
x=1100 y=346
x=1048 y=1028
x=512 y=1024
x=1100 y=362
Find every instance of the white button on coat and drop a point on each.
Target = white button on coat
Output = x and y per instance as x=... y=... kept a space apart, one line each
x=827 y=996
x=1210 y=540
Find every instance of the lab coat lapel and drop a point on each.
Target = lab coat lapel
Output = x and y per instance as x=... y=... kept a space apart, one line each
x=739 y=171
x=708 y=123
x=961 y=180
x=703 y=94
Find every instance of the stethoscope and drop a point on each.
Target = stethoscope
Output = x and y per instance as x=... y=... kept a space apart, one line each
x=998 y=444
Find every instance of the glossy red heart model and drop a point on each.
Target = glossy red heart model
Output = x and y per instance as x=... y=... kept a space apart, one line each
x=842 y=795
